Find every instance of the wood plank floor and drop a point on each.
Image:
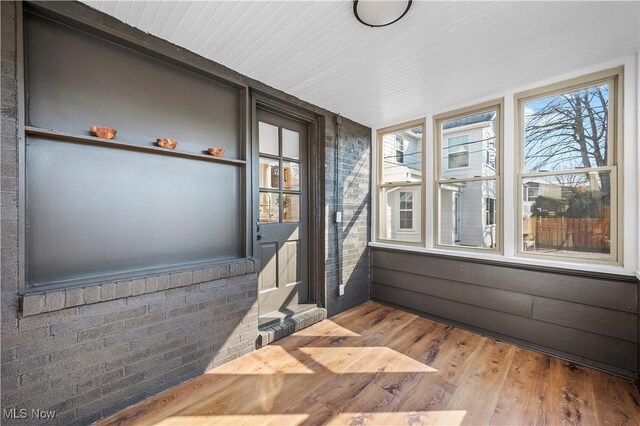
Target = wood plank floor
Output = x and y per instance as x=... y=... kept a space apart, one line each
x=377 y=365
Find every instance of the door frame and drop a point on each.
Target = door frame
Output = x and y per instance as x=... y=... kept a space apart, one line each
x=316 y=185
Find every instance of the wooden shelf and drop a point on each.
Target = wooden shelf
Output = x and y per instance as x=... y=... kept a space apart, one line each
x=53 y=134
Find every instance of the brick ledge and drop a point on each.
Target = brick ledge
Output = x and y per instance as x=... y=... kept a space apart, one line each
x=55 y=300
x=270 y=334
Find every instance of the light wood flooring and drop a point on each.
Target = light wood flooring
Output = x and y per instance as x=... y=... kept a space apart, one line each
x=378 y=365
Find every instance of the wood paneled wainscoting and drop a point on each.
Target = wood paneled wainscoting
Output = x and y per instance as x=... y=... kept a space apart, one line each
x=374 y=364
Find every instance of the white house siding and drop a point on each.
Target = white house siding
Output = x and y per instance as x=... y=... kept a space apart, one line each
x=474 y=231
x=446 y=216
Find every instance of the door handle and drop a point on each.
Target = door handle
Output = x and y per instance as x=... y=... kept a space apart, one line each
x=258 y=236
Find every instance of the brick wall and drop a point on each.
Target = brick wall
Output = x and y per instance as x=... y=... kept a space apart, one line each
x=347 y=260
x=89 y=361
x=88 y=358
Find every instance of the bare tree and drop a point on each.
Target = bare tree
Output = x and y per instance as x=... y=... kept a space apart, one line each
x=569 y=131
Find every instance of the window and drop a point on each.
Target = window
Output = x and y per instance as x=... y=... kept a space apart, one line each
x=400 y=183
x=490 y=211
x=468 y=177
x=568 y=169
x=406 y=210
x=531 y=192
x=458 y=151
x=399 y=149
x=490 y=152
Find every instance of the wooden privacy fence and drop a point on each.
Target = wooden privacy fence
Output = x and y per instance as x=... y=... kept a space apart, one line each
x=591 y=234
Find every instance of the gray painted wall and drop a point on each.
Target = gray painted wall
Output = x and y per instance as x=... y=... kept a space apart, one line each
x=95 y=211
x=90 y=352
x=592 y=320
x=350 y=264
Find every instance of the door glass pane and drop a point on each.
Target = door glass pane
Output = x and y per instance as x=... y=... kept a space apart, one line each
x=269 y=173
x=290 y=144
x=402 y=156
x=469 y=146
x=468 y=214
x=567 y=130
x=268 y=138
x=568 y=215
x=269 y=202
x=291 y=208
x=291 y=175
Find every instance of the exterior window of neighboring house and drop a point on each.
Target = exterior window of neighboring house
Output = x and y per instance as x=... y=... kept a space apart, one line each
x=399 y=150
x=406 y=210
x=457 y=150
x=467 y=191
x=531 y=193
x=490 y=153
x=569 y=165
x=400 y=183
x=490 y=206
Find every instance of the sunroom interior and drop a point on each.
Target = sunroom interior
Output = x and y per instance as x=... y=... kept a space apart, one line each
x=320 y=212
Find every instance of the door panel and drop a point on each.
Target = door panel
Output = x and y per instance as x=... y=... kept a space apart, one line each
x=289 y=264
x=281 y=197
x=268 y=256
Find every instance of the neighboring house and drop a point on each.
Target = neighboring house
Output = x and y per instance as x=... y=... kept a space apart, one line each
x=468 y=209
x=403 y=164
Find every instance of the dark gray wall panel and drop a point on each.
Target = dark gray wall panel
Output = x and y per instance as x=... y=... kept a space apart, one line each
x=613 y=294
x=95 y=211
x=616 y=353
x=618 y=324
x=588 y=319
x=76 y=80
x=505 y=301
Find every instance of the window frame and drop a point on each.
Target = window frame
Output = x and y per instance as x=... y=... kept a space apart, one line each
x=380 y=186
x=498 y=106
x=615 y=134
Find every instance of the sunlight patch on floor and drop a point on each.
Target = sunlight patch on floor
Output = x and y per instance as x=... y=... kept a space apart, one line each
x=396 y=362
x=248 y=419
x=332 y=329
x=269 y=360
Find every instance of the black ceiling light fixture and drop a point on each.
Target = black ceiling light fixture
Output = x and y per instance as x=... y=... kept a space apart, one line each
x=376 y=13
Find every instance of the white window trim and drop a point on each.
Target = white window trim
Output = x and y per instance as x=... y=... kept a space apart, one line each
x=630 y=175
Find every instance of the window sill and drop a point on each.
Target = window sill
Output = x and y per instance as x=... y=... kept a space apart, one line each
x=515 y=261
x=56 y=300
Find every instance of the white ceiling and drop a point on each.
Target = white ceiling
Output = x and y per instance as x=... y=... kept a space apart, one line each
x=440 y=54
